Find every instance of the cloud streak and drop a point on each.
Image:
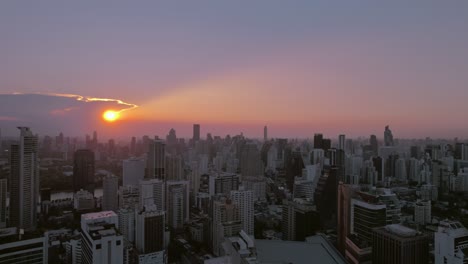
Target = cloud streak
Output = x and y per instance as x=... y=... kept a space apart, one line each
x=87 y=99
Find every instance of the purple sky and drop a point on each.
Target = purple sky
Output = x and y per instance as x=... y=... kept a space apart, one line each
x=301 y=67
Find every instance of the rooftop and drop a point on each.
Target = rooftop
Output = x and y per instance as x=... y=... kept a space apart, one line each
x=93 y=216
x=316 y=248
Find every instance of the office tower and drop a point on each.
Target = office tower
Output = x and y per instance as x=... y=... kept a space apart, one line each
x=450 y=242
x=129 y=196
x=177 y=205
x=95 y=140
x=152 y=192
x=83 y=200
x=299 y=219
x=394 y=244
x=414 y=169
x=24 y=192
x=171 y=138
x=422 y=212
x=318 y=141
x=100 y=238
x=32 y=249
x=256 y=185
x=379 y=167
x=345 y=193
x=365 y=216
x=3 y=208
x=400 y=170
x=133 y=171
x=225 y=222
x=174 y=170
x=326 y=144
x=196 y=133
x=374 y=144
x=156 y=162
x=150 y=234
x=245 y=202
x=83 y=170
x=110 y=185
x=341 y=142
x=223 y=183
x=388 y=137
x=265 y=133
x=127 y=223
x=251 y=162
x=304 y=186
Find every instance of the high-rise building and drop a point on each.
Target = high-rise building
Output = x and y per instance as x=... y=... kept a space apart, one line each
x=223 y=183
x=174 y=170
x=24 y=189
x=345 y=193
x=422 y=212
x=177 y=205
x=101 y=240
x=152 y=192
x=83 y=200
x=83 y=170
x=196 y=132
x=3 y=208
x=388 y=137
x=374 y=144
x=110 y=185
x=129 y=196
x=156 y=160
x=150 y=235
x=251 y=163
x=400 y=170
x=300 y=219
x=341 y=142
x=450 y=243
x=133 y=171
x=225 y=222
x=318 y=141
x=32 y=249
x=394 y=244
x=127 y=223
x=265 y=133
x=245 y=201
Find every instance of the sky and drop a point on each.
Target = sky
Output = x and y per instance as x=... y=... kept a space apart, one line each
x=300 y=67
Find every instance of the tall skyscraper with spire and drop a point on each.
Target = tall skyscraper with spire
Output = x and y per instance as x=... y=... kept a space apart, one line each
x=265 y=133
x=388 y=137
x=24 y=181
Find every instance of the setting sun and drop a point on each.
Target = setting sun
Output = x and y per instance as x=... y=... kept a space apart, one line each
x=110 y=116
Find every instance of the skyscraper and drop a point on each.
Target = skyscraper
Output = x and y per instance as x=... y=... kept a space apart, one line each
x=156 y=162
x=388 y=137
x=100 y=238
x=24 y=193
x=374 y=144
x=152 y=192
x=196 y=132
x=110 y=186
x=394 y=244
x=245 y=202
x=3 y=195
x=318 y=141
x=133 y=171
x=300 y=219
x=150 y=231
x=341 y=142
x=265 y=133
x=177 y=203
x=83 y=170
x=226 y=222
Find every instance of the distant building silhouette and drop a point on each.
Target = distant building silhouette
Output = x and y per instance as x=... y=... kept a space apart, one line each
x=388 y=137
x=196 y=132
x=83 y=170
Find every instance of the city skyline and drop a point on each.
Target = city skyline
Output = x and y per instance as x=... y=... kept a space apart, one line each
x=335 y=68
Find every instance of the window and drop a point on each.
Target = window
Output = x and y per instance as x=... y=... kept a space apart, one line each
x=117 y=242
x=98 y=246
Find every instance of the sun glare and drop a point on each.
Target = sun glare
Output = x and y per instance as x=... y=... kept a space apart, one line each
x=110 y=116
